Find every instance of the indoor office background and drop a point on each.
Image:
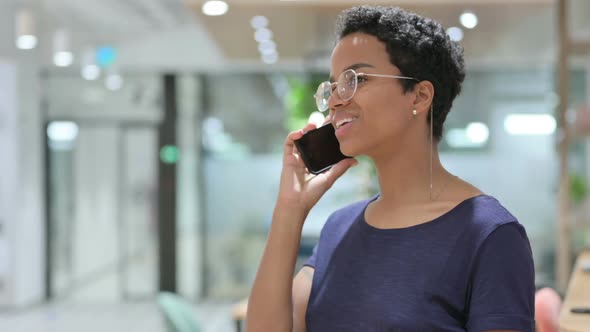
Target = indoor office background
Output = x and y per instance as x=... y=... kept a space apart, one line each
x=152 y=161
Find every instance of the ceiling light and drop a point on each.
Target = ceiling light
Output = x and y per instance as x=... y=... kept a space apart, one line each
x=455 y=34
x=270 y=58
x=477 y=132
x=25 y=30
x=114 y=82
x=458 y=138
x=530 y=124
x=267 y=47
x=468 y=19
x=61 y=131
x=26 y=42
x=267 y=51
x=259 y=22
x=212 y=125
x=214 y=8
x=263 y=35
x=63 y=59
x=90 y=72
x=62 y=56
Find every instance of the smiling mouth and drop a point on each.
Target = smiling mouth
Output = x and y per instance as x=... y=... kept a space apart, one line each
x=344 y=121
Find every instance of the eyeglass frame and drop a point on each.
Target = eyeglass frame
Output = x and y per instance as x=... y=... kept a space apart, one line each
x=356 y=75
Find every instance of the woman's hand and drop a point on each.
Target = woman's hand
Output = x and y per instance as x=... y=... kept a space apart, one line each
x=300 y=189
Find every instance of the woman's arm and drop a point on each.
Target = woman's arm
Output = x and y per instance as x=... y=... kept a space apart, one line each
x=270 y=306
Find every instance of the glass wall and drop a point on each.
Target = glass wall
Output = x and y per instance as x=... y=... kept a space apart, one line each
x=102 y=154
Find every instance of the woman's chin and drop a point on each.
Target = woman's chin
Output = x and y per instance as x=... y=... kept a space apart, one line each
x=348 y=151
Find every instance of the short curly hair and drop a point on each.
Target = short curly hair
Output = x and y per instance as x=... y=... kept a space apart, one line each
x=418 y=46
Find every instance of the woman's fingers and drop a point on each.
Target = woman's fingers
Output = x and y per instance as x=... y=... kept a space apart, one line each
x=295 y=135
x=310 y=126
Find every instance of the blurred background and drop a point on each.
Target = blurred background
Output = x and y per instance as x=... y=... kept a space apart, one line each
x=141 y=145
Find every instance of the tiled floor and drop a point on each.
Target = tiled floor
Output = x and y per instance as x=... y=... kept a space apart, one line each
x=124 y=317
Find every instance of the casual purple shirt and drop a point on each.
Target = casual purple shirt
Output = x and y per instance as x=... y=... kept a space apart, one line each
x=470 y=269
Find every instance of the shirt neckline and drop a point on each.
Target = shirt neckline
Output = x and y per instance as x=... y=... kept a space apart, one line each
x=366 y=226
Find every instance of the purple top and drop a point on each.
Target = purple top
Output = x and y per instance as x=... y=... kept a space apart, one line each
x=470 y=269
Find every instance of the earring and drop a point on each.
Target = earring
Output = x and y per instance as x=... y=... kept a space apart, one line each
x=414 y=112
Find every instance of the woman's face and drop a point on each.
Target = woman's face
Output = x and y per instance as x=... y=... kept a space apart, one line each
x=380 y=111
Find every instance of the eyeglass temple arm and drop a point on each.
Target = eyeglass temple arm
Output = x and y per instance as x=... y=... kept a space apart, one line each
x=389 y=76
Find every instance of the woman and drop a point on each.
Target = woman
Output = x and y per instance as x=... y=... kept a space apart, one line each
x=431 y=252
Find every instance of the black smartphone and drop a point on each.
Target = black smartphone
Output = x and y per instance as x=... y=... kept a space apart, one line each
x=320 y=149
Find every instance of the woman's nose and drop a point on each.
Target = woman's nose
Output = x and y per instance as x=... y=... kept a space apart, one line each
x=334 y=101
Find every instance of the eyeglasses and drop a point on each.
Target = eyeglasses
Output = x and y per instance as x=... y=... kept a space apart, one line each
x=345 y=86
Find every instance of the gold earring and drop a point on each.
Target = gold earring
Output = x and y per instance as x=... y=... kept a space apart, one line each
x=414 y=112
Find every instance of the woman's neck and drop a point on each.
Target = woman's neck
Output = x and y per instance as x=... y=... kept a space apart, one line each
x=406 y=176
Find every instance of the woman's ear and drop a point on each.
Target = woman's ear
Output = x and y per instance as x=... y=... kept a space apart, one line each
x=424 y=91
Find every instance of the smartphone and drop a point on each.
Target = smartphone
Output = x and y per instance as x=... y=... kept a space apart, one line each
x=320 y=149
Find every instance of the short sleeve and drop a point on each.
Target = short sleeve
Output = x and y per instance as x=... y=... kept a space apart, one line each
x=503 y=282
x=312 y=259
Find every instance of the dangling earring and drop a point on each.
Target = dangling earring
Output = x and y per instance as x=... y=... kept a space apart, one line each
x=431 y=148
x=445 y=185
x=414 y=112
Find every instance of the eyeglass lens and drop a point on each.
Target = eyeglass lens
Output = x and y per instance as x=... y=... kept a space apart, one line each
x=345 y=87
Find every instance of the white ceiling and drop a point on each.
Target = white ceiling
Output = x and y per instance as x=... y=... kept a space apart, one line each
x=174 y=35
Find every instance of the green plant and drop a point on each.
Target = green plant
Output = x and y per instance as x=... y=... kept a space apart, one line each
x=578 y=188
x=300 y=102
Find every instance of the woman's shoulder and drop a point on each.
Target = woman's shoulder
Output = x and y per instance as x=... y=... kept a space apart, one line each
x=479 y=209
x=483 y=215
x=485 y=211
